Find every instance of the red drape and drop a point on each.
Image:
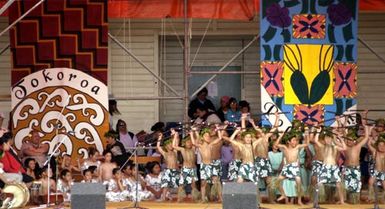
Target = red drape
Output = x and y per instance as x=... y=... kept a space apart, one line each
x=215 y=9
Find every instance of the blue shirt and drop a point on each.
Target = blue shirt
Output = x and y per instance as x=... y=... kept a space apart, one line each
x=233 y=116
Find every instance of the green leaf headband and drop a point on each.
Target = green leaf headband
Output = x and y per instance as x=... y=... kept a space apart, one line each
x=251 y=132
x=112 y=134
x=205 y=130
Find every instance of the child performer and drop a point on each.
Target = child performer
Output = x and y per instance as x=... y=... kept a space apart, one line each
x=205 y=146
x=330 y=172
x=170 y=176
x=64 y=184
x=378 y=175
x=291 y=169
x=188 y=174
x=135 y=186
x=45 y=178
x=116 y=189
x=262 y=162
x=67 y=163
x=87 y=177
x=216 y=165
x=247 y=171
x=352 y=172
x=92 y=160
x=105 y=170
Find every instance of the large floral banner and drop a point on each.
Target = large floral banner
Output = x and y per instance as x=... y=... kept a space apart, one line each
x=308 y=59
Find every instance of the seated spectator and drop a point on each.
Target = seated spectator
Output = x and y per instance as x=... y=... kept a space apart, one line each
x=117 y=191
x=128 y=139
x=221 y=112
x=205 y=116
x=64 y=184
x=154 y=180
x=67 y=164
x=87 y=177
x=30 y=165
x=116 y=148
x=92 y=160
x=45 y=178
x=200 y=101
x=244 y=106
x=12 y=166
x=151 y=139
x=233 y=114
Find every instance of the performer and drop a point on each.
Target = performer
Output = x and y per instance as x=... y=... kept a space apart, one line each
x=87 y=177
x=216 y=165
x=106 y=168
x=171 y=174
x=205 y=146
x=247 y=171
x=262 y=162
x=64 y=184
x=352 y=172
x=188 y=174
x=291 y=168
x=377 y=148
x=330 y=172
x=46 y=178
x=33 y=148
x=235 y=164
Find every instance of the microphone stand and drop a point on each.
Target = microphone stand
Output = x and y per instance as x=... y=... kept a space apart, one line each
x=55 y=150
x=47 y=162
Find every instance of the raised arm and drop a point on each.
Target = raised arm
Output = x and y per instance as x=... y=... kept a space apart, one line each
x=275 y=126
x=175 y=140
x=368 y=130
x=232 y=138
x=278 y=142
x=341 y=146
x=243 y=120
x=160 y=149
x=192 y=136
x=316 y=137
x=371 y=147
x=306 y=142
x=256 y=128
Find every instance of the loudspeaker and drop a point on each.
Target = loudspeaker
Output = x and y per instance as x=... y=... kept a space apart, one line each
x=88 y=196
x=239 y=195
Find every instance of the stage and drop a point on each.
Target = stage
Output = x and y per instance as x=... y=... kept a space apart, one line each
x=166 y=205
x=174 y=205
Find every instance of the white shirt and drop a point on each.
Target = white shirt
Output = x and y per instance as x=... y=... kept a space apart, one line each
x=127 y=141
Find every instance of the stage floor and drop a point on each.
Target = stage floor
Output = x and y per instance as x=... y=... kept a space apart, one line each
x=165 y=205
x=173 y=205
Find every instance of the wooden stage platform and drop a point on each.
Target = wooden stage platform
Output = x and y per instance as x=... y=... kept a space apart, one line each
x=166 y=205
x=173 y=205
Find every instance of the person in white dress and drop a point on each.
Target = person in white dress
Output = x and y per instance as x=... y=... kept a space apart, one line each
x=154 y=180
x=64 y=184
x=116 y=189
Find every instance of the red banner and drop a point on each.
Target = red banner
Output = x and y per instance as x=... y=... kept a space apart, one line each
x=215 y=9
x=70 y=34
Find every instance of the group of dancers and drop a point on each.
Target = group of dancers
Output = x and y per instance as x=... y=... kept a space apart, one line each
x=254 y=150
x=251 y=160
